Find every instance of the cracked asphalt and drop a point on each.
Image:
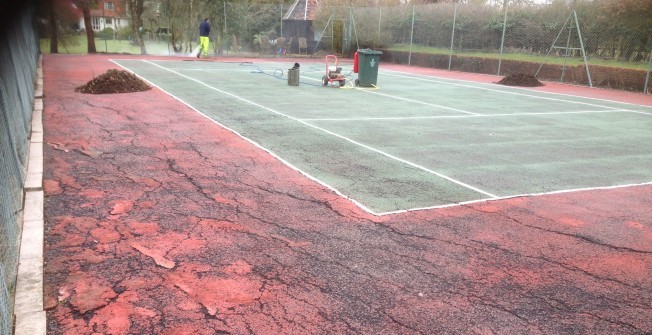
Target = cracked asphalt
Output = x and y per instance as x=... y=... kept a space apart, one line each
x=158 y=221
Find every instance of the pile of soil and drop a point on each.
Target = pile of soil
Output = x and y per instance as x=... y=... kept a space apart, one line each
x=520 y=79
x=114 y=81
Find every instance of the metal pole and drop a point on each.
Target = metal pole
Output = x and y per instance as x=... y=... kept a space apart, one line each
x=411 y=37
x=380 y=16
x=563 y=68
x=450 y=54
x=104 y=25
x=169 y=38
x=346 y=47
x=647 y=77
x=224 y=31
x=282 y=18
x=323 y=31
x=553 y=45
x=586 y=62
x=355 y=32
x=502 y=40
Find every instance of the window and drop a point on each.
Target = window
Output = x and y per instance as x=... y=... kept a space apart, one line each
x=108 y=6
x=95 y=23
x=108 y=21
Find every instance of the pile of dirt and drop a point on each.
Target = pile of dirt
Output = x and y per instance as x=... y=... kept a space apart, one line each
x=114 y=81
x=520 y=79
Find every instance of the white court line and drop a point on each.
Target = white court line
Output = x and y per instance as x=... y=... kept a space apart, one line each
x=355 y=202
x=212 y=70
x=410 y=100
x=256 y=144
x=461 y=116
x=576 y=190
x=521 y=94
x=332 y=133
x=610 y=109
x=421 y=102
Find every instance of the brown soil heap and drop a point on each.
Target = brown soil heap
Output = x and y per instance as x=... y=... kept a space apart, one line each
x=114 y=81
x=520 y=79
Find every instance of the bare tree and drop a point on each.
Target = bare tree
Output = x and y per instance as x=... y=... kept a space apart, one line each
x=54 y=31
x=136 y=9
x=85 y=6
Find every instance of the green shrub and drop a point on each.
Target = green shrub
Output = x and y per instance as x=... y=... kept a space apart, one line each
x=106 y=33
x=123 y=34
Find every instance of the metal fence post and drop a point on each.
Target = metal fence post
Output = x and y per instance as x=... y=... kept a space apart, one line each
x=380 y=17
x=282 y=18
x=450 y=54
x=226 y=48
x=411 y=38
x=586 y=62
x=502 y=40
x=647 y=76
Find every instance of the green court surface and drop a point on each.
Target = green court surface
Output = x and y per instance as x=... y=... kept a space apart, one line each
x=417 y=141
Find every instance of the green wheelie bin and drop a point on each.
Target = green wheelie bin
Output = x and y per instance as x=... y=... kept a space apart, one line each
x=368 y=61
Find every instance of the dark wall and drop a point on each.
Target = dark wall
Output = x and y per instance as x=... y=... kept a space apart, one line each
x=298 y=28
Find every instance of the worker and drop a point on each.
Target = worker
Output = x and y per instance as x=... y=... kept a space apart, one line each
x=204 y=32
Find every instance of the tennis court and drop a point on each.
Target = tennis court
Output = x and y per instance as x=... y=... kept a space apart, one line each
x=417 y=141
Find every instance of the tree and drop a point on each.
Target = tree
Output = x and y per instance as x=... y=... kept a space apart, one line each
x=60 y=20
x=637 y=28
x=86 y=6
x=136 y=9
x=54 y=31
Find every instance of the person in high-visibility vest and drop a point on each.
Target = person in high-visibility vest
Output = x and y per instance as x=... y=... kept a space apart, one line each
x=204 y=32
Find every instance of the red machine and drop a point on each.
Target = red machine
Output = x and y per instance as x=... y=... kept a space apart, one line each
x=355 y=62
x=333 y=72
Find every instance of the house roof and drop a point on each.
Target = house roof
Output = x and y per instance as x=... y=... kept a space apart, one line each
x=69 y=9
x=302 y=10
x=119 y=9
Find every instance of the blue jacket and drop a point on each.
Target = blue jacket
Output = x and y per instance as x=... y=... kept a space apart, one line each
x=204 y=28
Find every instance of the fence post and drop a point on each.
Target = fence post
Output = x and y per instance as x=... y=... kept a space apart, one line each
x=411 y=37
x=502 y=40
x=450 y=54
x=225 y=43
x=586 y=62
x=282 y=17
x=647 y=76
x=380 y=17
x=169 y=38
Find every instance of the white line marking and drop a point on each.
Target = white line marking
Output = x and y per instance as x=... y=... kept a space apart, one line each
x=587 y=189
x=515 y=93
x=461 y=116
x=422 y=168
x=420 y=102
x=410 y=100
x=637 y=112
x=355 y=202
x=256 y=144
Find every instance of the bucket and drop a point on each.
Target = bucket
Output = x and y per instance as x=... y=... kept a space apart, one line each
x=293 y=77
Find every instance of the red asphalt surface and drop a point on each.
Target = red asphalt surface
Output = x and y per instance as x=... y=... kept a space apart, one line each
x=159 y=221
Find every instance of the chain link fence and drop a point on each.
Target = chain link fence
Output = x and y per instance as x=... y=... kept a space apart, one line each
x=602 y=43
x=17 y=78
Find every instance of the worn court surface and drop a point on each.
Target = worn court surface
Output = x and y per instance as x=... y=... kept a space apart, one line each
x=159 y=221
x=419 y=141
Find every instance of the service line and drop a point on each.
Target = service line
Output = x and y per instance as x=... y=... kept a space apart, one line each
x=414 y=165
x=518 y=93
x=389 y=118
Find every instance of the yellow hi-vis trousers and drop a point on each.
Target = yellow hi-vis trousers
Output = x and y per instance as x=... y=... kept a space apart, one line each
x=203 y=41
